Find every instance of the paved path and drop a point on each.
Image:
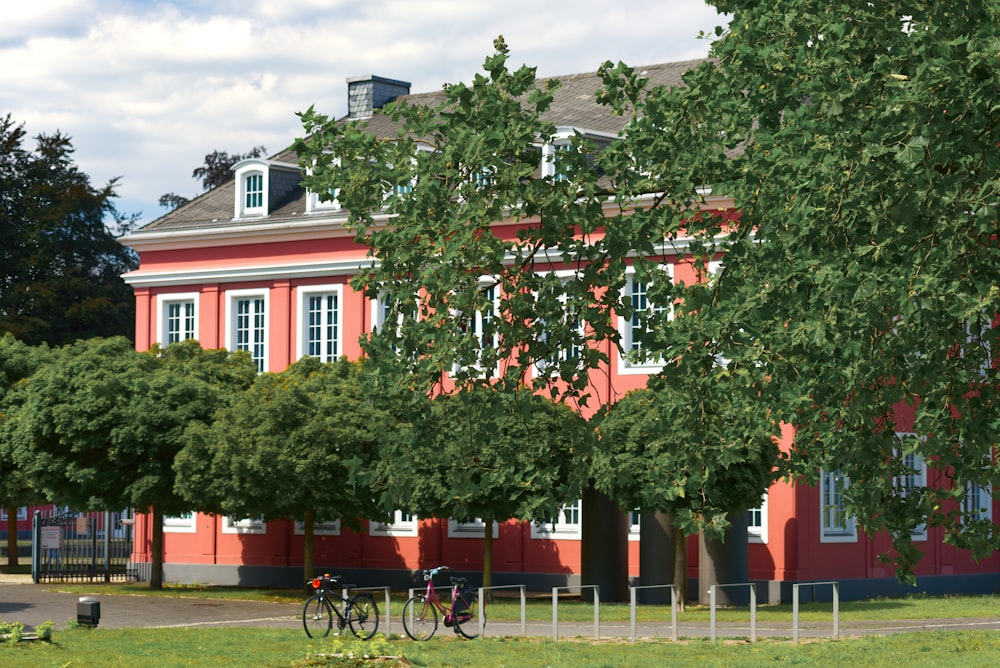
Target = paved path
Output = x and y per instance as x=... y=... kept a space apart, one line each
x=33 y=604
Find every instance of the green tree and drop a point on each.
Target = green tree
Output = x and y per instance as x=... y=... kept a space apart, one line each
x=286 y=448
x=98 y=427
x=60 y=265
x=695 y=444
x=861 y=145
x=488 y=454
x=17 y=362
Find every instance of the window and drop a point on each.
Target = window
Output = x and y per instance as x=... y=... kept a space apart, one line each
x=913 y=479
x=253 y=525
x=479 y=326
x=835 y=525
x=329 y=528
x=22 y=513
x=319 y=322
x=571 y=351
x=247 y=329
x=470 y=527
x=328 y=202
x=402 y=524
x=566 y=524
x=180 y=524
x=178 y=318
x=978 y=334
x=253 y=193
x=978 y=502
x=634 y=520
x=634 y=329
x=757 y=522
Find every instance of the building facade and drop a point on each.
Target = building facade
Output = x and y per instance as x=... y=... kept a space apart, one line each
x=262 y=265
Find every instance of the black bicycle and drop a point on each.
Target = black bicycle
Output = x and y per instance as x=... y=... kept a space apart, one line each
x=359 y=611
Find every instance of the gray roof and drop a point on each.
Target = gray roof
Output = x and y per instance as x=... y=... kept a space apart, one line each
x=574 y=105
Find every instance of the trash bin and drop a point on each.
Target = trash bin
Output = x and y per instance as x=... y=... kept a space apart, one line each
x=88 y=611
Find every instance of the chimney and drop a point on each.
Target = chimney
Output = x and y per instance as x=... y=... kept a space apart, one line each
x=365 y=94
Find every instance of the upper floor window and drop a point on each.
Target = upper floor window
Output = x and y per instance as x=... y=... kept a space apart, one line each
x=635 y=329
x=835 y=525
x=575 y=329
x=247 y=329
x=178 y=317
x=320 y=322
x=978 y=501
x=253 y=193
x=470 y=527
x=480 y=326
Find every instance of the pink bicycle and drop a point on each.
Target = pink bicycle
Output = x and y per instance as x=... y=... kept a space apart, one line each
x=420 y=612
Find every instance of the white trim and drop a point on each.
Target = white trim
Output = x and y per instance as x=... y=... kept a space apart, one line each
x=303 y=294
x=250 y=526
x=848 y=532
x=163 y=301
x=243 y=175
x=561 y=527
x=474 y=528
x=625 y=366
x=232 y=296
x=403 y=525
x=330 y=528
x=758 y=534
x=186 y=523
x=323 y=269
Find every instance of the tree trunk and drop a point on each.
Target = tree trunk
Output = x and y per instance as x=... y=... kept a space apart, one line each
x=308 y=556
x=681 y=568
x=156 y=567
x=725 y=562
x=488 y=552
x=604 y=547
x=656 y=555
x=12 y=536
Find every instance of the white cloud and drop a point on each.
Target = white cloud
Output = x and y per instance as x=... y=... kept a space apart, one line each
x=146 y=89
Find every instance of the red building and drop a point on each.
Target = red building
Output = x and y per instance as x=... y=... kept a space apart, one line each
x=244 y=265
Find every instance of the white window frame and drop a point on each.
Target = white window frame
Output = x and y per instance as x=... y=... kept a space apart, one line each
x=403 y=525
x=328 y=528
x=304 y=295
x=847 y=532
x=904 y=483
x=540 y=368
x=251 y=526
x=625 y=327
x=314 y=203
x=634 y=524
x=234 y=296
x=757 y=533
x=470 y=528
x=477 y=325
x=186 y=523
x=560 y=528
x=22 y=513
x=985 y=511
x=163 y=304
x=243 y=192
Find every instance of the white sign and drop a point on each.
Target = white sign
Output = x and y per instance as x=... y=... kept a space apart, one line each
x=51 y=538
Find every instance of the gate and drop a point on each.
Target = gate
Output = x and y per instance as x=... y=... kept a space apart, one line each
x=69 y=546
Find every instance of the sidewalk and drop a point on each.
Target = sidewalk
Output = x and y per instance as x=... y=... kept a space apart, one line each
x=33 y=604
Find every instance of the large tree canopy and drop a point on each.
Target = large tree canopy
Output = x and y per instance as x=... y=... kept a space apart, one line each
x=99 y=426
x=60 y=265
x=861 y=144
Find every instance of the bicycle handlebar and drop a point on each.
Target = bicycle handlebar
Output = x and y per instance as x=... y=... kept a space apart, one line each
x=428 y=574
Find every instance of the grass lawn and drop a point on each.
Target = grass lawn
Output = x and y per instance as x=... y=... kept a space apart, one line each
x=271 y=647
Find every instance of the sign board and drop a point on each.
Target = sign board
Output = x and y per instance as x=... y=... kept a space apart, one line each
x=51 y=538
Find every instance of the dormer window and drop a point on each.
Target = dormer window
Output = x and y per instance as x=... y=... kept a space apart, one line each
x=253 y=193
x=564 y=139
x=264 y=186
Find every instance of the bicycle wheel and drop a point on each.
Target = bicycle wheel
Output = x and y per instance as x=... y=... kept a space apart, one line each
x=420 y=619
x=466 y=614
x=362 y=616
x=317 y=617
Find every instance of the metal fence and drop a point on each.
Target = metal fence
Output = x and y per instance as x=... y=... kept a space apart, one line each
x=68 y=546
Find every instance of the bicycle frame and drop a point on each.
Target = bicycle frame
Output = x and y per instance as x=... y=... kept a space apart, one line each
x=320 y=585
x=432 y=597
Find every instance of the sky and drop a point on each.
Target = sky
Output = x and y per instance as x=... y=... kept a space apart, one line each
x=147 y=88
